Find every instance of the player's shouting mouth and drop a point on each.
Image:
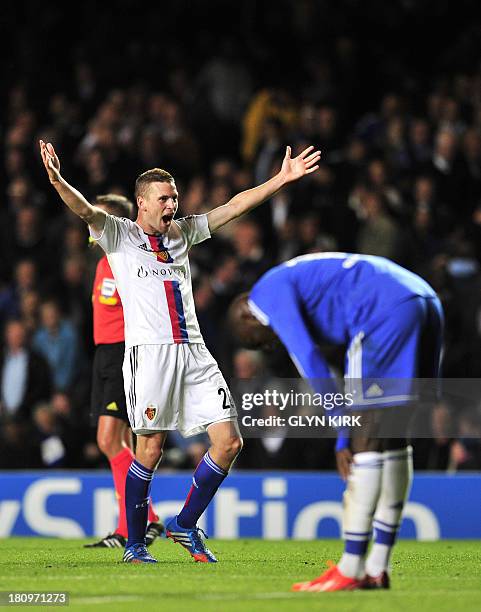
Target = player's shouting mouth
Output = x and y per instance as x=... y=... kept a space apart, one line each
x=158 y=206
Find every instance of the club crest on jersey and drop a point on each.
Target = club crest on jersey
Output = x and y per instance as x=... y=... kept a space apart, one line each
x=159 y=250
x=150 y=412
x=163 y=256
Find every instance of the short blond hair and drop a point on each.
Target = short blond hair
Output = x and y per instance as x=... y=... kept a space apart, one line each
x=155 y=175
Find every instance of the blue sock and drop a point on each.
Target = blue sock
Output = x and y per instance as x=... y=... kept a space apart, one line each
x=137 y=494
x=207 y=478
x=357 y=547
x=384 y=534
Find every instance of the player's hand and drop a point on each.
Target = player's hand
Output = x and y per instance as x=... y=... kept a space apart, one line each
x=295 y=168
x=343 y=461
x=50 y=161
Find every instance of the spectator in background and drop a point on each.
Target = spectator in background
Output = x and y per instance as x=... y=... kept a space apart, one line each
x=265 y=105
x=74 y=240
x=195 y=196
x=204 y=303
x=19 y=450
x=424 y=241
x=307 y=124
x=395 y=146
x=420 y=147
x=51 y=437
x=424 y=194
x=248 y=364
x=20 y=195
x=57 y=341
x=249 y=249
x=271 y=143
x=465 y=453
x=29 y=311
x=308 y=230
x=447 y=170
x=371 y=128
x=97 y=177
x=15 y=163
x=11 y=296
x=377 y=180
x=26 y=240
x=427 y=228
x=350 y=166
x=328 y=132
x=379 y=234
x=450 y=118
x=225 y=281
x=74 y=294
x=288 y=240
x=25 y=375
x=222 y=170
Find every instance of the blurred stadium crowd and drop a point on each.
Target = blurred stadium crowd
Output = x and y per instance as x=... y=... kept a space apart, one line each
x=400 y=131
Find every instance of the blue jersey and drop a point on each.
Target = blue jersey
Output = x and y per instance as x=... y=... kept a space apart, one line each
x=330 y=298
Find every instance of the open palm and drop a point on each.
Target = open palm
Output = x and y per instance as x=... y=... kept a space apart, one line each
x=305 y=163
x=50 y=161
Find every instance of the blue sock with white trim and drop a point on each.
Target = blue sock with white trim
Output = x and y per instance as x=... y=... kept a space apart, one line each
x=137 y=494
x=360 y=500
x=207 y=478
x=395 y=486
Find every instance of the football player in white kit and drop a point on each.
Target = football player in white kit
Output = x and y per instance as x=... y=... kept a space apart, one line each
x=171 y=380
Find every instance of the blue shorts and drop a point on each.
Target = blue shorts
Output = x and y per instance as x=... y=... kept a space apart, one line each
x=383 y=360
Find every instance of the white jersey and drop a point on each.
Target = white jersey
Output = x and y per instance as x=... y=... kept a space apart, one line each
x=153 y=278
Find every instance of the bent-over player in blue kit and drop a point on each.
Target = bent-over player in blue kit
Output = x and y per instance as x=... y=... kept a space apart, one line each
x=392 y=324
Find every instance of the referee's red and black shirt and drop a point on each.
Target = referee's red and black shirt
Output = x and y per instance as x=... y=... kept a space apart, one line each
x=107 y=307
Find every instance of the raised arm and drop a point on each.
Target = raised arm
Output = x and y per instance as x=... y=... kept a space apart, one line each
x=242 y=203
x=92 y=215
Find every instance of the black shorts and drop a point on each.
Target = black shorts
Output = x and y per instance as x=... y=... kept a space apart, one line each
x=108 y=396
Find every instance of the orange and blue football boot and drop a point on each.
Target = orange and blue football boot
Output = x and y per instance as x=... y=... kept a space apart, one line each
x=137 y=553
x=330 y=580
x=191 y=539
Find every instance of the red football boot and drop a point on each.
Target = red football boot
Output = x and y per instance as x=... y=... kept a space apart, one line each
x=330 y=580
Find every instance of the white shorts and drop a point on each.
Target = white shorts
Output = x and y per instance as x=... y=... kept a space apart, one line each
x=175 y=386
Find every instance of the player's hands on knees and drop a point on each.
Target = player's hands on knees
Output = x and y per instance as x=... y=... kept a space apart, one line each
x=50 y=161
x=343 y=461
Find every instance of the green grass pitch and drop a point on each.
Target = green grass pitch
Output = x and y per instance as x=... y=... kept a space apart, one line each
x=251 y=575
